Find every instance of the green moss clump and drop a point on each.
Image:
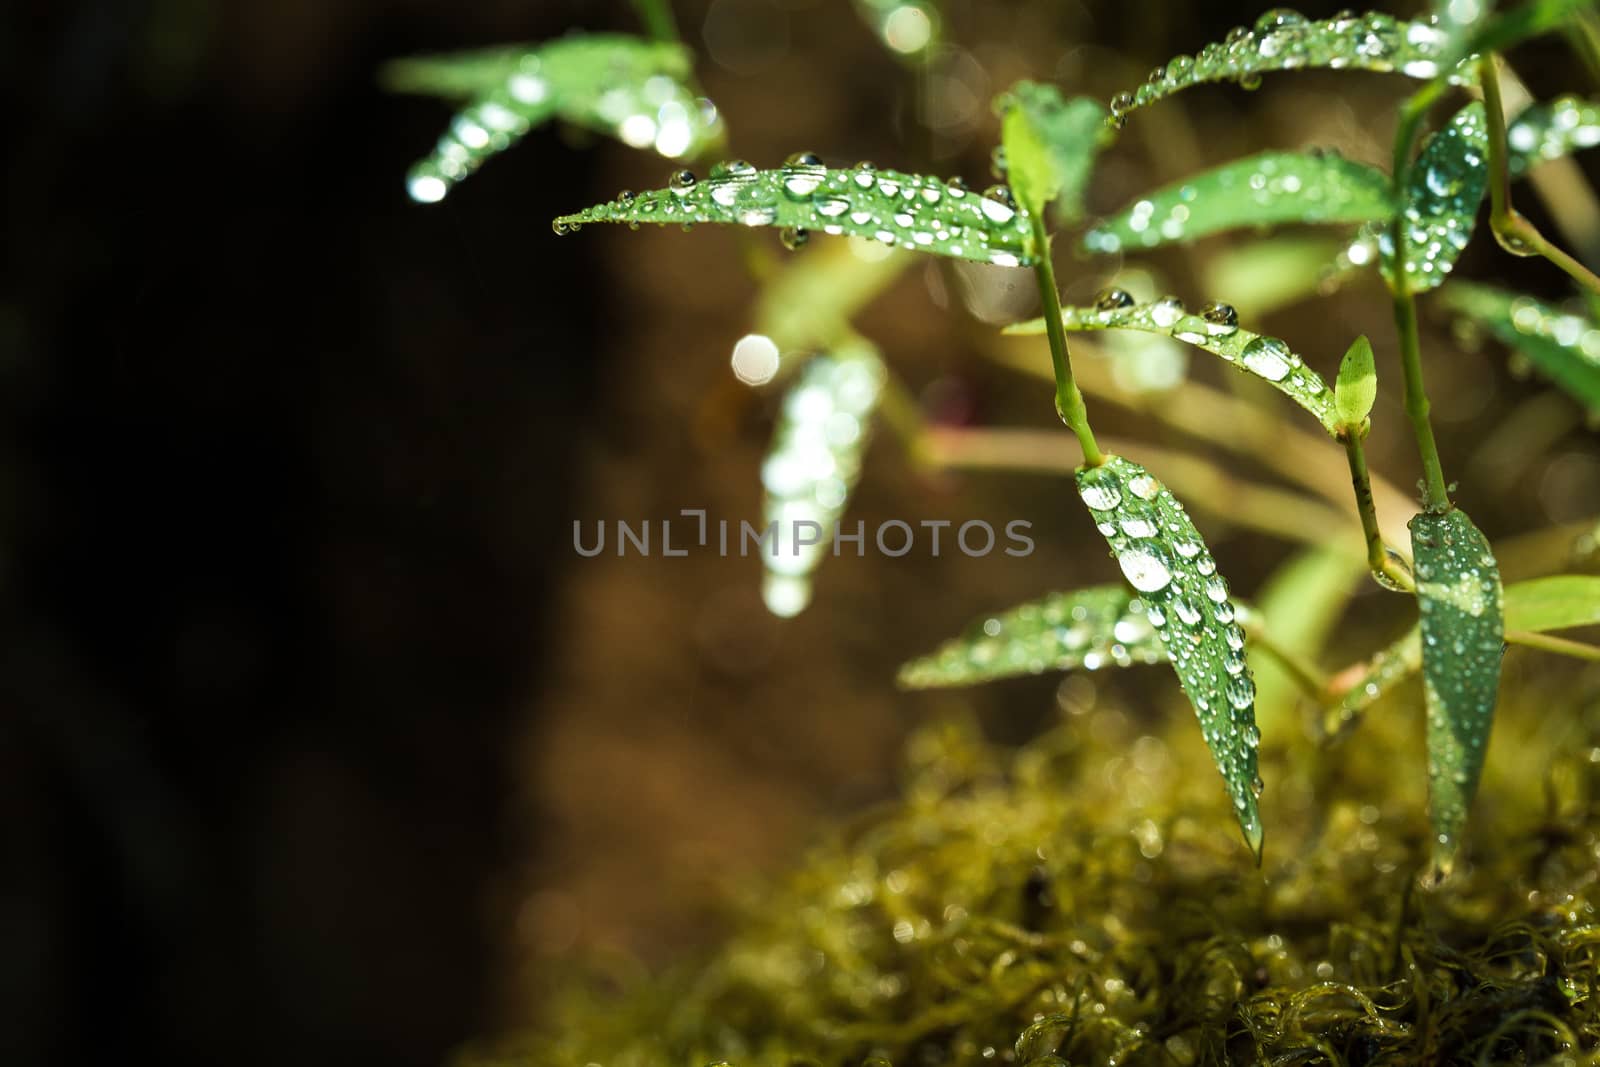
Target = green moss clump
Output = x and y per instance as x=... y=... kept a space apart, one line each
x=1086 y=900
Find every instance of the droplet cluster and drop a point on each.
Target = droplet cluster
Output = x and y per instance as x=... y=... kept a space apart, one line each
x=1091 y=628
x=813 y=465
x=1287 y=40
x=1164 y=558
x=630 y=89
x=1263 y=190
x=1550 y=130
x=1459 y=593
x=1446 y=186
x=1216 y=330
x=901 y=210
x=1563 y=347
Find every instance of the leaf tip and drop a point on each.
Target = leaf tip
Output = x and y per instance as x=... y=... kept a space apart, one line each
x=1356 y=388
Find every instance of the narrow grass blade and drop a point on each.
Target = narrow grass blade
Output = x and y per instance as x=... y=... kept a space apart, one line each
x=1164 y=558
x=1090 y=628
x=813 y=466
x=1285 y=40
x=1549 y=130
x=1564 y=348
x=1458 y=590
x=628 y=88
x=1050 y=145
x=1442 y=198
x=1262 y=190
x=903 y=210
x=909 y=29
x=1216 y=330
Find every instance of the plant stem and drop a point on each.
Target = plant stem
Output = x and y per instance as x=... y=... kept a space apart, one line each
x=1378 y=558
x=657 y=18
x=1511 y=229
x=1561 y=646
x=1437 y=498
x=1069 y=402
x=1306 y=674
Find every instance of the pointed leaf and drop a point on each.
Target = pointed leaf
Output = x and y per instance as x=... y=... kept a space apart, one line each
x=1285 y=40
x=1262 y=190
x=1216 y=330
x=1357 y=387
x=1163 y=557
x=1549 y=130
x=1050 y=146
x=1564 y=348
x=1101 y=626
x=1442 y=197
x=904 y=210
x=628 y=88
x=813 y=465
x=1458 y=590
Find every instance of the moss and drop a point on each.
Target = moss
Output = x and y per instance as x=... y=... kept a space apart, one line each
x=1087 y=900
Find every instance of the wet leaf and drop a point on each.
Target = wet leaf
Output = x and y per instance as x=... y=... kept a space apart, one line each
x=1446 y=186
x=909 y=29
x=1164 y=558
x=813 y=465
x=1050 y=146
x=1564 y=348
x=1262 y=190
x=1101 y=626
x=907 y=211
x=1216 y=329
x=1356 y=389
x=1286 y=40
x=626 y=87
x=1549 y=130
x=1557 y=602
x=1458 y=592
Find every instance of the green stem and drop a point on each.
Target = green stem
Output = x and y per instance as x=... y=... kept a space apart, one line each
x=1437 y=498
x=1069 y=402
x=1388 y=573
x=1561 y=646
x=657 y=18
x=1306 y=675
x=1511 y=229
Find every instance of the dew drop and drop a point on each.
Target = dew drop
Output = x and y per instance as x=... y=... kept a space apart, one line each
x=681 y=182
x=1112 y=299
x=804 y=159
x=1166 y=311
x=1268 y=357
x=1221 y=319
x=1241 y=692
x=1144 y=569
x=1190 y=329
x=1100 y=495
x=793 y=237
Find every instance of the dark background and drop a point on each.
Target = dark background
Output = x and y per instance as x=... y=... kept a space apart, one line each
x=318 y=744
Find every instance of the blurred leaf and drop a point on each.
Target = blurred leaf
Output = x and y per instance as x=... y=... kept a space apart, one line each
x=1299 y=605
x=1557 y=602
x=626 y=87
x=1263 y=190
x=1458 y=591
x=1216 y=330
x=1564 y=348
x=1357 y=387
x=1050 y=146
x=1273 y=273
x=1104 y=625
x=809 y=302
x=1286 y=40
x=909 y=29
x=1384 y=672
x=1442 y=196
x=1530 y=19
x=1549 y=130
x=813 y=465
x=1163 y=557
x=903 y=210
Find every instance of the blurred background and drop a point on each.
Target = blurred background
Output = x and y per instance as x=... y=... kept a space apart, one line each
x=320 y=744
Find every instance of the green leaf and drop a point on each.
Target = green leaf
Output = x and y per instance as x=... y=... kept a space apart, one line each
x=1458 y=590
x=1216 y=330
x=1104 y=625
x=1299 y=605
x=1549 y=130
x=1356 y=389
x=1565 y=348
x=1442 y=196
x=813 y=465
x=909 y=29
x=1285 y=40
x=1262 y=190
x=1273 y=273
x=903 y=210
x=1050 y=146
x=628 y=88
x=1527 y=20
x=1557 y=602
x=1163 y=557
x=808 y=303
